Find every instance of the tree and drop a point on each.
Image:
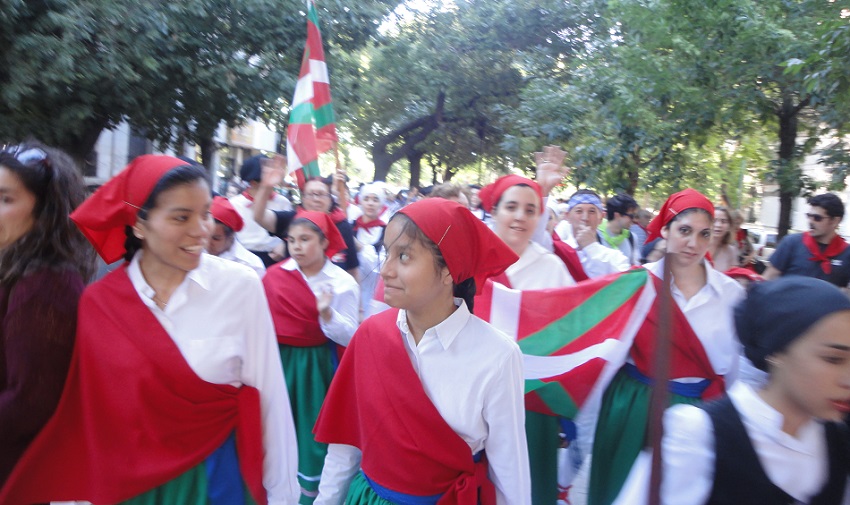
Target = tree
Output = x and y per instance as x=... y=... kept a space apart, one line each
x=174 y=69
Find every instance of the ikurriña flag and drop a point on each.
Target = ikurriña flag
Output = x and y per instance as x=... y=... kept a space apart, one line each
x=312 y=126
x=573 y=339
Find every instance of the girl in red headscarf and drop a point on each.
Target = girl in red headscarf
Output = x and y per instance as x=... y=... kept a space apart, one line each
x=428 y=399
x=315 y=306
x=705 y=349
x=174 y=395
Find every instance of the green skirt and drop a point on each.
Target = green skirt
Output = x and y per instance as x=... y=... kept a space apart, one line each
x=542 y=434
x=308 y=372
x=620 y=435
x=361 y=493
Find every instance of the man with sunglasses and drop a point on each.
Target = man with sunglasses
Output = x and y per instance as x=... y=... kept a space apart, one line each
x=621 y=210
x=819 y=252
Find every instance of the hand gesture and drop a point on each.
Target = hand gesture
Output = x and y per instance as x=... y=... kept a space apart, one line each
x=585 y=235
x=551 y=169
x=274 y=170
x=323 y=301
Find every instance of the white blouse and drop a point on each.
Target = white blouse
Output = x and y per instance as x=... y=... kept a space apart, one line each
x=537 y=268
x=219 y=319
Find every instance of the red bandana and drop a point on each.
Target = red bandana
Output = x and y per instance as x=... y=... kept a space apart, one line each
x=361 y=224
x=677 y=203
x=222 y=210
x=836 y=246
x=251 y=198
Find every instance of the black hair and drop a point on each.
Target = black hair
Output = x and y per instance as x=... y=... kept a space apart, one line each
x=53 y=178
x=620 y=204
x=830 y=203
x=177 y=176
x=228 y=231
x=465 y=289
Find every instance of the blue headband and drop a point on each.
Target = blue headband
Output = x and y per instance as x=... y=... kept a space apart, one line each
x=585 y=198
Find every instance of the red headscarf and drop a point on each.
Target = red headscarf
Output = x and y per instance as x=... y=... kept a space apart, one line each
x=468 y=246
x=103 y=216
x=677 y=203
x=329 y=229
x=491 y=193
x=222 y=210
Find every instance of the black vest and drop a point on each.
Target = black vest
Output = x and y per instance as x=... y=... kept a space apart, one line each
x=739 y=477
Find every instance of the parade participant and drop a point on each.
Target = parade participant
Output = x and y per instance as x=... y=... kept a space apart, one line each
x=621 y=211
x=773 y=444
x=722 y=248
x=44 y=263
x=580 y=231
x=638 y=228
x=451 y=192
x=369 y=234
x=256 y=239
x=820 y=252
x=428 y=396
x=515 y=204
x=173 y=394
x=475 y=203
x=223 y=241
x=704 y=343
x=315 y=306
x=315 y=196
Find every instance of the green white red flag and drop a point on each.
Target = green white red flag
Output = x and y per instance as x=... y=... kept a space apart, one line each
x=573 y=339
x=312 y=126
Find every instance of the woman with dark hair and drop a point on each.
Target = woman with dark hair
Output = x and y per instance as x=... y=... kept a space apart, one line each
x=428 y=398
x=705 y=349
x=44 y=264
x=316 y=196
x=172 y=395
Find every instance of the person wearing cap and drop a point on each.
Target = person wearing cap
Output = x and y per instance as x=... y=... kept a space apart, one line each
x=705 y=350
x=166 y=377
x=315 y=307
x=254 y=237
x=580 y=231
x=44 y=264
x=223 y=242
x=819 y=252
x=369 y=236
x=778 y=443
x=427 y=405
x=316 y=196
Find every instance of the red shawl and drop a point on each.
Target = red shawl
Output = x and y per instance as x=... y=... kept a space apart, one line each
x=361 y=223
x=293 y=308
x=376 y=403
x=688 y=357
x=570 y=258
x=836 y=246
x=133 y=414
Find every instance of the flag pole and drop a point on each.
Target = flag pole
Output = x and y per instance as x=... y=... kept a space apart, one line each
x=661 y=374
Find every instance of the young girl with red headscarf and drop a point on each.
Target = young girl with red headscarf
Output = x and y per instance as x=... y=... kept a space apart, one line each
x=315 y=306
x=428 y=399
x=174 y=395
x=705 y=352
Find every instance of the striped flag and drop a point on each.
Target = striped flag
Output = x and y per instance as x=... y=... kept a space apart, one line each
x=312 y=127
x=573 y=339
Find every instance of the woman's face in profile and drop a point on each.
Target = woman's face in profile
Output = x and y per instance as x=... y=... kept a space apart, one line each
x=16 y=208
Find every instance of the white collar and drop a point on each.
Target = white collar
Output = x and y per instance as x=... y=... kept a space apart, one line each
x=200 y=275
x=447 y=329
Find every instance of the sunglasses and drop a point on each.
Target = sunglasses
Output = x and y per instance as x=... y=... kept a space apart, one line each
x=816 y=217
x=29 y=156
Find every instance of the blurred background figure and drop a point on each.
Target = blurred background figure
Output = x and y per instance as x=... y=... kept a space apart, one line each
x=723 y=248
x=223 y=242
x=44 y=264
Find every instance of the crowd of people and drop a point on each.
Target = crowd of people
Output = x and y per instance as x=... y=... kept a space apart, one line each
x=252 y=349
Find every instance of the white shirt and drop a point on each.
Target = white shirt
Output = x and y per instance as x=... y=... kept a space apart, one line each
x=473 y=375
x=537 y=268
x=219 y=319
x=345 y=304
x=596 y=259
x=252 y=235
x=711 y=315
x=239 y=254
x=369 y=268
x=798 y=465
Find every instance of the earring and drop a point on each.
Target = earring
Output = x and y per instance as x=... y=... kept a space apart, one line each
x=772 y=362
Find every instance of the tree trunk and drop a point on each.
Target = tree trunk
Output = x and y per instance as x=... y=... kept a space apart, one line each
x=415 y=161
x=633 y=172
x=208 y=149
x=410 y=134
x=787 y=143
x=79 y=145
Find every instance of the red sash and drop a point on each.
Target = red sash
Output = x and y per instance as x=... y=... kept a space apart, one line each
x=836 y=246
x=293 y=308
x=688 y=357
x=570 y=258
x=361 y=224
x=376 y=403
x=133 y=414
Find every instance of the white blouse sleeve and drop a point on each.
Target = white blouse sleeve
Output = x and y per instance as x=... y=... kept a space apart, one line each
x=598 y=260
x=341 y=463
x=688 y=456
x=262 y=369
x=345 y=313
x=506 y=447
